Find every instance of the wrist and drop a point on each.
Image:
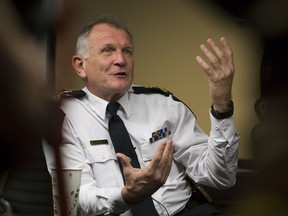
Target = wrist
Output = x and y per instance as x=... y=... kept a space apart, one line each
x=223 y=112
x=130 y=200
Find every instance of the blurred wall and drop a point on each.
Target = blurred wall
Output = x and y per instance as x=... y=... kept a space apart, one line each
x=168 y=34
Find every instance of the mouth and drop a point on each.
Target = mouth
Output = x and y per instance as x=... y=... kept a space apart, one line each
x=120 y=74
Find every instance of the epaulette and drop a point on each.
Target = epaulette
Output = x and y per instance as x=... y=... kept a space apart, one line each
x=157 y=90
x=150 y=90
x=75 y=93
x=153 y=90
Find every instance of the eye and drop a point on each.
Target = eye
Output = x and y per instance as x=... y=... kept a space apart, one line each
x=107 y=50
x=128 y=51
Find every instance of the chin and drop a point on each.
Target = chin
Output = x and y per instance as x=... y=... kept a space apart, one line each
x=123 y=86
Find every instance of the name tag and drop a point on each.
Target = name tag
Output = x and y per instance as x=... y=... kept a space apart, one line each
x=99 y=142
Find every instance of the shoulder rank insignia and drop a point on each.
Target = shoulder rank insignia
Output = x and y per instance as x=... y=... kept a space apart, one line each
x=150 y=90
x=153 y=90
x=156 y=90
x=76 y=93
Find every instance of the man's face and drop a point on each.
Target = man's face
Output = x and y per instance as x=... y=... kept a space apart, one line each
x=109 y=69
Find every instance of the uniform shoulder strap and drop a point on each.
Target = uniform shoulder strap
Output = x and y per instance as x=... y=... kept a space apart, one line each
x=157 y=90
x=150 y=90
x=70 y=93
x=153 y=90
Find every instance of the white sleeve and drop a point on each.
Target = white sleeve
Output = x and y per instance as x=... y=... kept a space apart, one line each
x=209 y=160
x=92 y=199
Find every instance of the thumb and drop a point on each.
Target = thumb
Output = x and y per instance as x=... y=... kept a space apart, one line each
x=124 y=159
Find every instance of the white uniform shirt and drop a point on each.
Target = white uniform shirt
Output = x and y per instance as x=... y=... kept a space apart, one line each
x=209 y=160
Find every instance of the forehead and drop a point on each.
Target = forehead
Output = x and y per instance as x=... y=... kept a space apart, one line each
x=104 y=33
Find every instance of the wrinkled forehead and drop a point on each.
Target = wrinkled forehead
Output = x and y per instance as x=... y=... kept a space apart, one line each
x=108 y=32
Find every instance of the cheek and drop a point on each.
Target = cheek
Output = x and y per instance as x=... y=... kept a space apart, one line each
x=131 y=67
x=102 y=67
x=94 y=70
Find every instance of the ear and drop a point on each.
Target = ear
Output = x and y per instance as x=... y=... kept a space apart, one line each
x=78 y=65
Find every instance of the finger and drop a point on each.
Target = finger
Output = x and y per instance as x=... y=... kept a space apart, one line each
x=125 y=160
x=168 y=152
x=163 y=161
x=167 y=159
x=205 y=67
x=211 y=57
x=228 y=52
x=158 y=155
x=219 y=53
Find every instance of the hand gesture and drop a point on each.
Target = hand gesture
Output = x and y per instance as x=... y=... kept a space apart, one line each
x=219 y=68
x=142 y=183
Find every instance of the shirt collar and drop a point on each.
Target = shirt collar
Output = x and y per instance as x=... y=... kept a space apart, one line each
x=99 y=105
x=125 y=104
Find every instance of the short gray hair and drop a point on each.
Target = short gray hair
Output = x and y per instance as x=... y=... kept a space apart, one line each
x=82 y=41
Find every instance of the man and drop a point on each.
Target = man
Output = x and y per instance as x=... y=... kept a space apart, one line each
x=167 y=140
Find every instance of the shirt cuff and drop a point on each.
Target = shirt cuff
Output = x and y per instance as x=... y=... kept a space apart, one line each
x=222 y=129
x=116 y=202
x=225 y=137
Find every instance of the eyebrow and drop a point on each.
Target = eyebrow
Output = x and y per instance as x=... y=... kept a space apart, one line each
x=130 y=46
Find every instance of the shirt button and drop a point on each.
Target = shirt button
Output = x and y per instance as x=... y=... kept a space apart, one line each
x=103 y=157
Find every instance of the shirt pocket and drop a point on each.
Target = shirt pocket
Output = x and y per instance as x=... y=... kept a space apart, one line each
x=104 y=163
x=148 y=149
x=99 y=154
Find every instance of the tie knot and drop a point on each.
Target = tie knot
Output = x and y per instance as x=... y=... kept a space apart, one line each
x=112 y=107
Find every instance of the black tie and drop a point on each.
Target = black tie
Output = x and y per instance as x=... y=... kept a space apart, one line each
x=122 y=143
x=119 y=135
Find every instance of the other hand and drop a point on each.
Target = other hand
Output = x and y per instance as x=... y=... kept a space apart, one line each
x=219 y=68
x=142 y=183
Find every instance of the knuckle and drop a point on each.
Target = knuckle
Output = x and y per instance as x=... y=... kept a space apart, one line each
x=157 y=159
x=160 y=179
x=229 y=53
x=214 y=60
x=220 y=55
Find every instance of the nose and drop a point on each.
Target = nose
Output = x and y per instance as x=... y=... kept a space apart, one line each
x=119 y=59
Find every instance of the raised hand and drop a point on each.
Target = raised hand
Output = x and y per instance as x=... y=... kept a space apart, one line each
x=142 y=183
x=219 y=68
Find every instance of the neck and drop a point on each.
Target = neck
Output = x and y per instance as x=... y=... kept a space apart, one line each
x=108 y=96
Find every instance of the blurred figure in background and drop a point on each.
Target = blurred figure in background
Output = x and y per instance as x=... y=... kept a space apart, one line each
x=26 y=113
x=23 y=62
x=270 y=143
